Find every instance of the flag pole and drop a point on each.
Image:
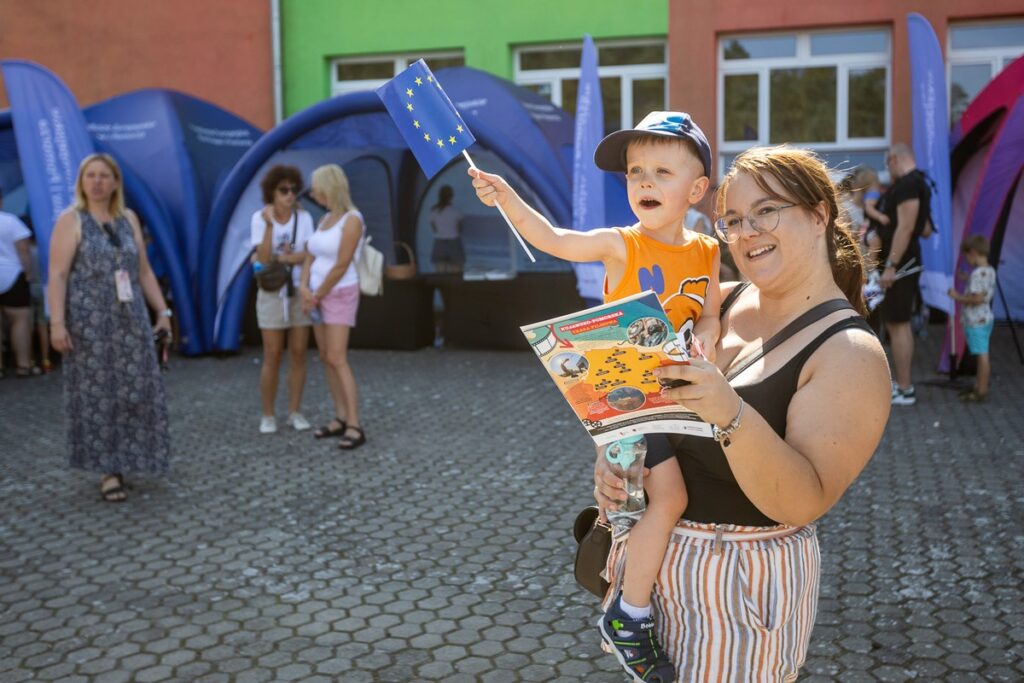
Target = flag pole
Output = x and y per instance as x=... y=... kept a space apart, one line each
x=504 y=215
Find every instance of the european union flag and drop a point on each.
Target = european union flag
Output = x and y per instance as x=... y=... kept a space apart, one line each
x=425 y=117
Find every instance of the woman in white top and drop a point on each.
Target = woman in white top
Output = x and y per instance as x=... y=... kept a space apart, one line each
x=279 y=313
x=15 y=298
x=330 y=292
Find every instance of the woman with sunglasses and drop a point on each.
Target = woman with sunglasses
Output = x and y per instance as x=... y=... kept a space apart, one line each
x=798 y=396
x=279 y=232
x=100 y=283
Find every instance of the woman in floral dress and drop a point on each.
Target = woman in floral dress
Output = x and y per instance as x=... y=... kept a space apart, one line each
x=100 y=281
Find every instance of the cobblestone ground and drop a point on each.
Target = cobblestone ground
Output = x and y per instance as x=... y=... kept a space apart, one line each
x=279 y=558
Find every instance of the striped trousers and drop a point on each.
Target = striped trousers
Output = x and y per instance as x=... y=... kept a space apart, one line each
x=733 y=603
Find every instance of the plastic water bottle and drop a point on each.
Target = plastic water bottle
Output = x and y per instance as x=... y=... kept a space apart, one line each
x=626 y=457
x=257 y=268
x=316 y=316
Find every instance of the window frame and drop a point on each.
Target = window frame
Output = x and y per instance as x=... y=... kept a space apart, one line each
x=997 y=58
x=399 y=63
x=626 y=73
x=762 y=68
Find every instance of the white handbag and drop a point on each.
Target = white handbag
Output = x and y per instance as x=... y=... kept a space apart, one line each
x=370 y=268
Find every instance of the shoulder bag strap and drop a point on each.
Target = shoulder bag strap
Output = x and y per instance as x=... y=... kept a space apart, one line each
x=731 y=298
x=804 y=320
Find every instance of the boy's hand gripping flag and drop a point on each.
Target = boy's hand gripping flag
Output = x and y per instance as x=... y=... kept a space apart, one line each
x=430 y=124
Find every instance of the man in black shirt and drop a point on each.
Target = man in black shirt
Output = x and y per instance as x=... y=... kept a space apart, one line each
x=907 y=204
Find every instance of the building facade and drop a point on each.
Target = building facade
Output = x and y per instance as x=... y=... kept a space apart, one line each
x=330 y=48
x=218 y=51
x=833 y=76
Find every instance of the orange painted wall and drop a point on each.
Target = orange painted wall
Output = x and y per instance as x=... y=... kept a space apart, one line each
x=217 y=50
x=694 y=27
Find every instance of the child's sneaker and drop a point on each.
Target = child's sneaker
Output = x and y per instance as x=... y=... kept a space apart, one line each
x=635 y=644
x=903 y=397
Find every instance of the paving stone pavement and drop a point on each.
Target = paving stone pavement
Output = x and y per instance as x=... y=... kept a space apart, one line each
x=441 y=550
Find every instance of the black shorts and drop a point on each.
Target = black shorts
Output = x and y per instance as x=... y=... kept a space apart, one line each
x=448 y=252
x=898 y=304
x=19 y=295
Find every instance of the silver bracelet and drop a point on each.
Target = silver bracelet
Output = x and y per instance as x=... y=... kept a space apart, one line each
x=722 y=434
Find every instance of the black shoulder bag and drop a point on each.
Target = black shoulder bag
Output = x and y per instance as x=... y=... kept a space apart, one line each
x=277 y=275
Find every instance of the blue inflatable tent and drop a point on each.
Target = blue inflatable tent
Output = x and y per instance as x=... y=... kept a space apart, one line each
x=174 y=151
x=519 y=134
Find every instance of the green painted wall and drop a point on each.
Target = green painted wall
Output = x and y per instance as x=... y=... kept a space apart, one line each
x=315 y=31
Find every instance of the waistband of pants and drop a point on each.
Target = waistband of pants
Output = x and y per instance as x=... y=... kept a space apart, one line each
x=730 y=532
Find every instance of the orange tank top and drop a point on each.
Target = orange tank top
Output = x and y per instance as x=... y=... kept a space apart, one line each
x=679 y=275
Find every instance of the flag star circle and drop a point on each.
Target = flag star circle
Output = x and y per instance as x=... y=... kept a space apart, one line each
x=430 y=79
x=419 y=81
x=409 y=106
x=426 y=136
x=416 y=124
x=458 y=128
x=440 y=143
x=408 y=91
x=451 y=139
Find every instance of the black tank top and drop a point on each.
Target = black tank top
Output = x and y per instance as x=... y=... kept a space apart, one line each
x=714 y=495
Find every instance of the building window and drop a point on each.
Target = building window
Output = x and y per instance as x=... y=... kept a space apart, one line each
x=352 y=74
x=828 y=90
x=633 y=77
x=977 y=53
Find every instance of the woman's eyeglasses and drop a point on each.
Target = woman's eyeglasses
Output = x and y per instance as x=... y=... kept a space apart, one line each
x=286 y=189
x=764 y=219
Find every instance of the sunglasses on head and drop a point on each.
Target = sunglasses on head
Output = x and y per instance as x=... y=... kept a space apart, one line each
x=286 y=189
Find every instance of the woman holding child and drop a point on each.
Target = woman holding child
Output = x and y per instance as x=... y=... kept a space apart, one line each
x=736 y=595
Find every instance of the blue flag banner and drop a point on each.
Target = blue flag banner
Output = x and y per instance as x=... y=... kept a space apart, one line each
x=426 y=118
x=52 y=141
x=588 y=209
x=931 y=148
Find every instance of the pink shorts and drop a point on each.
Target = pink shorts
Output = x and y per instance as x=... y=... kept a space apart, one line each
x=340 y=306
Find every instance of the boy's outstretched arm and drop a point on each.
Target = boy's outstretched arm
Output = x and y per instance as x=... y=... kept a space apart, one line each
x=602 y=244
x=709 y=326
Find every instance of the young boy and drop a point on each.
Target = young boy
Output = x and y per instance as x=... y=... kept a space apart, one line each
x=667 y=162
x=976 y=314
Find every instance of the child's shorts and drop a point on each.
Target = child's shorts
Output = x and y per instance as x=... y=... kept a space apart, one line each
x=977 y=338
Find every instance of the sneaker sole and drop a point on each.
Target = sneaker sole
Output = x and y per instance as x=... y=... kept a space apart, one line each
x=904 y=401
x=607 y=646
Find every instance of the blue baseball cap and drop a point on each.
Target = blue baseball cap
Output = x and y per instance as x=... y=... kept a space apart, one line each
x=610 y=154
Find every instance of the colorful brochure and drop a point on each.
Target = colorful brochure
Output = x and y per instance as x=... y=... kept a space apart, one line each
x=603 y=360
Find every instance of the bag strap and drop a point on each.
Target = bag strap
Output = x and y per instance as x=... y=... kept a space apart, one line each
x=295 y=226
x=806 y=319
x=733 y=295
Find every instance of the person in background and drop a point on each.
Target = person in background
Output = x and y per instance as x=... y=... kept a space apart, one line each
x=15 y=292
x=907 y=205
x=448 y=254
x=330 y=292
x=976 y=314
x=279 y=314
x=869 y=193
x=40 y=318
x=100 y=282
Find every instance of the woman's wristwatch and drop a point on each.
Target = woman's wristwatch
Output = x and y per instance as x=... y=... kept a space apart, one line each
x=722 y=434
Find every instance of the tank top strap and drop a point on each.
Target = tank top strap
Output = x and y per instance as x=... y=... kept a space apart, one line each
x=796 y=364
x=732 y=297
